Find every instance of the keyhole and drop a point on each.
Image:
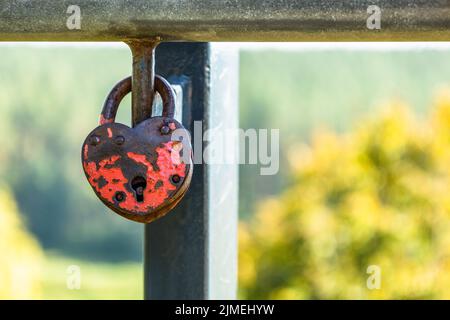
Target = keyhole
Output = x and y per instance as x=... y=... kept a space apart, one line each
x=138 y=184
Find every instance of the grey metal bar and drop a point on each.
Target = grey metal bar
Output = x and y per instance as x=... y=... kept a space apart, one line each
x=191 y=253
x=232 y=20
x=143 y=79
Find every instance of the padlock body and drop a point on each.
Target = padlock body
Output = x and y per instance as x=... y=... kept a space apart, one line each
x=141 y=172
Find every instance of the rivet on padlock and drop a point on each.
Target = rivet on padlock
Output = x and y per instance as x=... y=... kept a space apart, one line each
x=139 y=173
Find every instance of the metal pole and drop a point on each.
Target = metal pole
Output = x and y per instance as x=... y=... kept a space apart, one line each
x=234 y=20
x=143 y=79
x=191 y=253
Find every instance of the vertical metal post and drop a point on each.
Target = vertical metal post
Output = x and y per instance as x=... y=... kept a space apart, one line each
x=191 y=253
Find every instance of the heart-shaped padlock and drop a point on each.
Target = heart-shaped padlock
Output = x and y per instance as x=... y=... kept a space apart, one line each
x=142 y=172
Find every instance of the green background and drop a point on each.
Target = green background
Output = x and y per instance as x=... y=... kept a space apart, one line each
x=50 y=98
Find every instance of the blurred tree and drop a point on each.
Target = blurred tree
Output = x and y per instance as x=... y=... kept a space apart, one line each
x=21 y=254
x=50 y=100
x=297 y=91
x=375 y=201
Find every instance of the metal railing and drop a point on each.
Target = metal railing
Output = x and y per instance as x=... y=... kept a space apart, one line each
x=231 y=20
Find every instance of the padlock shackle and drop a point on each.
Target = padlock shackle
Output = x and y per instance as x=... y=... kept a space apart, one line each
x=123 y=87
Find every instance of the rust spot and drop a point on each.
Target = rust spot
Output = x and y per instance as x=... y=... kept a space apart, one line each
x=110 y=134
x=110 y=165
x=85 y=151
x=104 y=120
x=101 y=182
x=158 y=184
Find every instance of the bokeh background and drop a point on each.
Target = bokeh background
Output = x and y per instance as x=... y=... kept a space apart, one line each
x=364 y=174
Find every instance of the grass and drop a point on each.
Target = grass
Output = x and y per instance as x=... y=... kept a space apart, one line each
x=99 y=280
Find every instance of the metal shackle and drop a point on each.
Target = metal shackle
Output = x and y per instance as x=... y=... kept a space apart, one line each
x=123 y=87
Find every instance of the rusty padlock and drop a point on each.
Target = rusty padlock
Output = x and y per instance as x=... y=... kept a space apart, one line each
x=140 y=173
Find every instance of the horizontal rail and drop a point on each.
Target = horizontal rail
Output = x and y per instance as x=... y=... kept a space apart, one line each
x=224 y=20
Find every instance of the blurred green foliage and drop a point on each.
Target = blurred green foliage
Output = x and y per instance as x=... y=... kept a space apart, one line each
x=299 y=91
x=21 y=256
x=378 y=195
x=99 y=280
x=50 y=98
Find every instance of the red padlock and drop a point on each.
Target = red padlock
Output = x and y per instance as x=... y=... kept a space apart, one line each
x=143 y=172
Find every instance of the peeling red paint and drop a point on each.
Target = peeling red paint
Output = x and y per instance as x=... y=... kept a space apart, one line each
x=110 y=134
x=116 y=181
x=109 y=174
x=85 y=151
x=153 y=197
x=104 y=120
